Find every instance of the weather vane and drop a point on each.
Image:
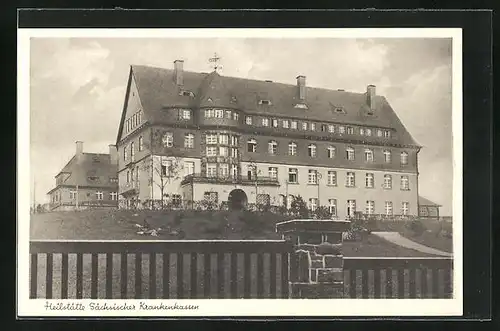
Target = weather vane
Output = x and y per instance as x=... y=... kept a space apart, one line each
x=215 y=62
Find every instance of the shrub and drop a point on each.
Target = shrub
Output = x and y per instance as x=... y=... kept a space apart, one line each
x=299 y=208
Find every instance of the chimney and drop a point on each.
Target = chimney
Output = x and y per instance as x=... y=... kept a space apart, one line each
x=370 y=96
x=113 y=154
x=79 y=148
x=178 y=72
x=301 y=87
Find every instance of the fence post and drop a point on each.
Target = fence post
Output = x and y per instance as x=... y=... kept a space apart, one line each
x=316 y=266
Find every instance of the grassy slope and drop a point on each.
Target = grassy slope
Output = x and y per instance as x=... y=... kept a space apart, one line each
x=120 y=225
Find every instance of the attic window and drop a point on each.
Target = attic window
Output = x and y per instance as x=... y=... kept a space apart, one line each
x=339 y=110
x=95 y=159
x=187 y=94
x=233 y=99
x=301 y=106
x=265 y=102
x=93 y=178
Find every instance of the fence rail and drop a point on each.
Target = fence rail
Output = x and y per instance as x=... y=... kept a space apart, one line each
x=214 y=269
x=160 y=269
x=398 y=277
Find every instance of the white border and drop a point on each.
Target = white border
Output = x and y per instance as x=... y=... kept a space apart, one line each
x=227 y=307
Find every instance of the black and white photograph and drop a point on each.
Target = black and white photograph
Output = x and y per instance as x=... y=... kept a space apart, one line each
x=205 y=171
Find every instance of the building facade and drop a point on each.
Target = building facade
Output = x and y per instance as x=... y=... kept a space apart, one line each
x=427 y=208
x=201 y=136
x=89 y=180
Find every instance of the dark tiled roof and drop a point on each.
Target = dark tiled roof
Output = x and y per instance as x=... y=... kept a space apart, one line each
x=426 y=202
x=90 y=169
x=157 y=90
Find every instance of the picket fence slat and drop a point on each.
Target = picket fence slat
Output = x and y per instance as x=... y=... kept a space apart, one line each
x=207 y=279
x=194 y=275
x=123 y=275
x=180 y=276
x=49 y=276
x=166 y=276
x=272 y=276
x=93 y=279
x=109 y=276
x=79 y=275
x=64 y=275
x=152 y=275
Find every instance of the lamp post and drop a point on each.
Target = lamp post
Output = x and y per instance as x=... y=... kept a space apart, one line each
x=318 y=179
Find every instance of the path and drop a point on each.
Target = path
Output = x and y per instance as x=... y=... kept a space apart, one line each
x=398 y=239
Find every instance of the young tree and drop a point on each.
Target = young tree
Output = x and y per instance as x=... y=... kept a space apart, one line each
x=163 y=173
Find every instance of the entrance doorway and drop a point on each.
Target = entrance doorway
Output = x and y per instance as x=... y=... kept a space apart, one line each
x=237 y=199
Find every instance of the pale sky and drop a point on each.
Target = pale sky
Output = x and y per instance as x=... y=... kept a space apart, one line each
x=78 y=89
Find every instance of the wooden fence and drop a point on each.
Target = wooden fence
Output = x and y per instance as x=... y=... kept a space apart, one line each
x=213 y=269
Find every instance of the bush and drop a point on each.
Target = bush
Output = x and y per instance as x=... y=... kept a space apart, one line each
x=416 y=227
x=299 y=208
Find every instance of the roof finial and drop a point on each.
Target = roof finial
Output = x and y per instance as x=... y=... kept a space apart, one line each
x=215 y=62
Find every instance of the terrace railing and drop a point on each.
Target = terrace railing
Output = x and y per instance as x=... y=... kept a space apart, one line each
x=242 y=180
x=398 y=277
x=159 y=269
x=214 y=269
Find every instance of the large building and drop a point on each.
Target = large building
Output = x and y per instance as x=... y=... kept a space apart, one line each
x=88 y=180
x=191 y=136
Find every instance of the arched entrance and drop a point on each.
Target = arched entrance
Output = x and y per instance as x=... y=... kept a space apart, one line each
x=237 y=199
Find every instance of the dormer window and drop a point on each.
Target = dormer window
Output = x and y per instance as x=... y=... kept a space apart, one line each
x=233 y=99
x=187 y=94
x=265 y=102
x=301 y=106
x=339 y=110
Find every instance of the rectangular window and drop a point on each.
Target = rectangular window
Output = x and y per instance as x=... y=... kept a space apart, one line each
x=350 y=154
x=265 y=122
x=293 y=125
x=272 y=147
x=379 y=133
x=370 y=207
x=304 y=126
x=369 y=181
x=350 y=130
x=387 y=181
x=234 y=171
x=341 y=129
x=387 y=134
x=332 y=178
x=350 y=179
x=387 y=156
x=251 y=145
x=313 y=126
x=132 y=151
x=405 y=183
x=324 y=128
x=248 y=120
x=293 y=175
x=404 y=158
x=368 y=132
x=99 y=195
x=351 y=207
x=189 y=140
x=251 y=172
x=223 y=151
x=211 y=170
x=211 y=139
x=312 y=177
x=332 y=206
x=368 y=155
x=141 y=144
x=125 y=156
x=209 y=113
x=235 y=116
x=234 y=141
x=113 y=196
x=72 y=195
x=219 y=113
x=331 y=152
x=286 y=124
x=211 y=151
x=223 y=170
x=405 y=207
x=186 y=114
x=188 y=168
x=388 y=207
x=292 y=149
x=313 y=204
x=234 y=153
x=168 y=139
x=166 y=166
x=331 y=128
x=228 y=114
x=223 y=139
x=273 y=172
x=275 y=123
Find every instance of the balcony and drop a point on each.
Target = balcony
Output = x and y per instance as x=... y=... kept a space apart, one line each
x=230 y=180
x=129 y=188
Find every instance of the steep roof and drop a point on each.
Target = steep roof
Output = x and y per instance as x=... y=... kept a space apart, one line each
x=157 y=91
x=426 y=202
x=90 y=169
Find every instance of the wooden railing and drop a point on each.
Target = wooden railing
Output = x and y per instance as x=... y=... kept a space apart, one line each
x=398 y=277
x=214 y=269
x=159 y=269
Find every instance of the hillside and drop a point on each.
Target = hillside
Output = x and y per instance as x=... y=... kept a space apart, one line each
x=175 y=225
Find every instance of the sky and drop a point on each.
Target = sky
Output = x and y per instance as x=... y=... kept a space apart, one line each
x=77 y=89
